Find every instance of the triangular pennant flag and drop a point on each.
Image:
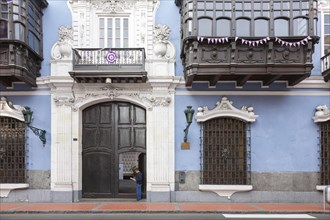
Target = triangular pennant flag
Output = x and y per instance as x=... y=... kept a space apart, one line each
x=216 y=40
x=267 y=38
x=257 y=43
x=298 y=44
x=220 y=40
x=198 y=38
x=202 y=38
x=212 y=40
x=253 y=43
x=243 y=41
x=226 y=39
x=208 y=40
x=309 y=38
x=236 y=38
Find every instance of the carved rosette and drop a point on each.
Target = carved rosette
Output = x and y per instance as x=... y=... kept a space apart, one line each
x=225 y=108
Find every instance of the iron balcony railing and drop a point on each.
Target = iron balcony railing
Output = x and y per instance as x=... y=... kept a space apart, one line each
x=325 y=60
x=109 y=59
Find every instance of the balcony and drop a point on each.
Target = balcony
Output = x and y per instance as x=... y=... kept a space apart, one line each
x=245 y=41
x=105 y=65
x=18 y=63
x=233 y=60
x=325 y=60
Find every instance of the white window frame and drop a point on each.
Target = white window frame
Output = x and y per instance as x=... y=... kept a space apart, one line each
x=122 y=28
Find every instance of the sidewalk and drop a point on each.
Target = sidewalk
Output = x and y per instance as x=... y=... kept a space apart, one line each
x=145 y=207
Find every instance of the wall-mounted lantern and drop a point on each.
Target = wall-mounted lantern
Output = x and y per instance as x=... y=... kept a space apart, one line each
x=189 y=112
x=28 y=119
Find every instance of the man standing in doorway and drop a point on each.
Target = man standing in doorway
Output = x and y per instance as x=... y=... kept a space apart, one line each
x=138 y=179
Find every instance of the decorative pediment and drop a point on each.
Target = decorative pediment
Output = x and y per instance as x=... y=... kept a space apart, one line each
x=225 y=108
x=113 y=5
x=322 y=114
x=7 y=109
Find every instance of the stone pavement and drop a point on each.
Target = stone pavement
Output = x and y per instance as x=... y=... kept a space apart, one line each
x=145 y=207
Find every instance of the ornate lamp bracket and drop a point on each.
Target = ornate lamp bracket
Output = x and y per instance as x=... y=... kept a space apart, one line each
x=38 y=132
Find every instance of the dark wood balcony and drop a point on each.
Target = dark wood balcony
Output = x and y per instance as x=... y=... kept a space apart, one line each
x=101 y=65
x=18 y=63
x=326 y=67
x=233 y=60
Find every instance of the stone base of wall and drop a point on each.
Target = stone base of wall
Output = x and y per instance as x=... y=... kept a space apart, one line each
x=253 y=196
x=38 y=179
x=261 y=181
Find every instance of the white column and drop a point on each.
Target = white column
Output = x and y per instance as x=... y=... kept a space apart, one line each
x=61 y=153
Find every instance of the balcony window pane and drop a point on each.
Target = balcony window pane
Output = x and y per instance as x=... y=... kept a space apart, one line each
x=205 y=27
x=261 y=28
x=300 y=27
x=327 y=29
x=326 y=44
x=223 y=27
x=19 y=31
x=281 y=27
x=3 y=29
x=242 y=27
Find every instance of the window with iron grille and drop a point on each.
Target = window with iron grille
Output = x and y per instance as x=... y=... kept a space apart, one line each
x=12 y=150
x=226 y=151
x=325 y=153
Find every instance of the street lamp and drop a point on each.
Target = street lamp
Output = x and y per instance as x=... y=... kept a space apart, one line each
x=189 y=112
x=28 y=119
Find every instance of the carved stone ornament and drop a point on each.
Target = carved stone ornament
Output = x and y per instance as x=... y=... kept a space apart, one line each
x=163 y=48
x=113 y=5
x=322 y=114
x=112 y=93
x=225 y=109
x=62 y=49
x=7 y=109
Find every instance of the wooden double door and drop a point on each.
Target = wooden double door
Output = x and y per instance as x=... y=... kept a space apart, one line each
x=111 y=130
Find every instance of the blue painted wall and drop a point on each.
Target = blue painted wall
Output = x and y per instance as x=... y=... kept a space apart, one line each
x=38 y=156
x=284 y=137
x=55 y=15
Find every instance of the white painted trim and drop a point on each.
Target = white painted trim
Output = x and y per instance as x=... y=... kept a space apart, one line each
x=322 y=114
x=9 y=110
x=225 y=109
x=5 y=188
x=225 y=190
x=268 y=216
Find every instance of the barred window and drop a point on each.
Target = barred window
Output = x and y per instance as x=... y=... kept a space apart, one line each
x=226 y=152
x=325 y=153
x=12 y=150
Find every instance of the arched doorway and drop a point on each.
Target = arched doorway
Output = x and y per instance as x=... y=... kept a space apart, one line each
x=113 y=140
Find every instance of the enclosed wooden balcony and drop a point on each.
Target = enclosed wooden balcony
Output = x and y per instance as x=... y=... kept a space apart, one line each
x=233 y=60
x=241 y=41
x=326 y=67
x=105 y=65
x=18 y=63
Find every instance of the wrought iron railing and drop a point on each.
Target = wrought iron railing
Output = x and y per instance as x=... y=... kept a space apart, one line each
x=101 y=58
x=325 y=62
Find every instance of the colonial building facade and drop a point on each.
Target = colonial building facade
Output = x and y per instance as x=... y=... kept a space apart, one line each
x=216 y=102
